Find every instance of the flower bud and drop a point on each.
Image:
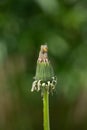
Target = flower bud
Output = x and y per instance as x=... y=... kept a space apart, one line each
x=44 y=78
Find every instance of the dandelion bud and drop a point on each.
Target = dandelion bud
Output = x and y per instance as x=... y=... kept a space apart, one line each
x=44 y=78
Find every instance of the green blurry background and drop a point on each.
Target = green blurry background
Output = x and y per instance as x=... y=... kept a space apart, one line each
x=24 y=26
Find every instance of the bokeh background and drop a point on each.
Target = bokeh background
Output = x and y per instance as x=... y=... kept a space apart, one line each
x=24 y=26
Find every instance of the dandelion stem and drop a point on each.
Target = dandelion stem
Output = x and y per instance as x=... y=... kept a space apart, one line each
x=46 y=122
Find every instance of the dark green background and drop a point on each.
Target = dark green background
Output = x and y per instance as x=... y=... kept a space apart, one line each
x=24 y=26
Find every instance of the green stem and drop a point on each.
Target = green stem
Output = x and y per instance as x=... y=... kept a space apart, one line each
x=46 y=122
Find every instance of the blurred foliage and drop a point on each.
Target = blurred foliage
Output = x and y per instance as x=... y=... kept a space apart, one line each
x=24 y=26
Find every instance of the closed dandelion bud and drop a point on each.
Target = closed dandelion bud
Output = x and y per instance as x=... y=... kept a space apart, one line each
x=44 y=78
